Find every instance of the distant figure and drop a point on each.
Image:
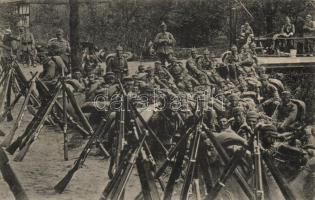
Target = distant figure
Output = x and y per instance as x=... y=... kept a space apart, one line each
x=90 y=61
x=246 y=31
x=163 y=44
x=27 y=46
x=118 y=64
x=309 y=31
x=8 y=47
x=287 y=30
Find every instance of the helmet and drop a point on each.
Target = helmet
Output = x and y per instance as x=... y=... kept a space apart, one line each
x=163 y=24
x=264 y=77
x=252 y=115
x=193 y=50
x=119 y=48
x=206 y=52
x=59 y=31
x=237 y=110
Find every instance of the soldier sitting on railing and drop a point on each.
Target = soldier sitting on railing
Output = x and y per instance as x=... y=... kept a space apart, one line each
x=287 y=30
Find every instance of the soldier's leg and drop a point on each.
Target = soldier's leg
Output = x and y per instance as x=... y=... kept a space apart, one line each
x=162 y=58
x=168 y=57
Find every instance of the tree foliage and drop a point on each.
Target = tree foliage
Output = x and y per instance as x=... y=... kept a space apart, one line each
x=194 y=23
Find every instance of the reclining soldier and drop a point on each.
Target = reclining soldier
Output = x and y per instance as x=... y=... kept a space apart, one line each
x=286 y=113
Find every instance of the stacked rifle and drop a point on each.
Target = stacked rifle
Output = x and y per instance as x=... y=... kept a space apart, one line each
x=198 y=166
x=14 y=81
x=48 y=108
x=130 y=150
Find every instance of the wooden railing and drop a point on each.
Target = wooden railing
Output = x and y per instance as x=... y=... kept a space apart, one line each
x=265 y=45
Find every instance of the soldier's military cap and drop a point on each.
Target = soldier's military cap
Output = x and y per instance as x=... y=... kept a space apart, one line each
x=173 y=59
x=141 y=67
x=237 y=110
x=127 y=79
x=193 y=50
x=212 y=55
x=146 y=89
x=119 y=48
x=41 y=49
x=149 y=69
x=264 y=77
x=252 y=115
x=158 y=62
x=176 y=69
x=163 y=24
x=234 y=96
x=234 y=47
x=206 y=52
x=109 y=75
x=268 y=130
x=59 y=31
x=309 y=16
x=286 y=93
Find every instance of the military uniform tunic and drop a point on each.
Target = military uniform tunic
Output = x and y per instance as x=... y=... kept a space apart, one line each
x=119 y=66
x=164 y=43
x=286 y=114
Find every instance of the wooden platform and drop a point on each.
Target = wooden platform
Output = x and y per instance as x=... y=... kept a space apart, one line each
x=287 y=62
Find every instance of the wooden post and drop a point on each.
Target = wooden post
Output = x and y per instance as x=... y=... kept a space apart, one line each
x=74 y=35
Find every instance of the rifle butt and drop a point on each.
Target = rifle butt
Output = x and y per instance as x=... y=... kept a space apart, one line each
x=14 y=146
x=9 y=116
x=61 y=185
x=160 y=171
x=22 y=153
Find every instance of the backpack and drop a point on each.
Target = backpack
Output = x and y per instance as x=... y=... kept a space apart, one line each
x=301 y=109
x=277 y=83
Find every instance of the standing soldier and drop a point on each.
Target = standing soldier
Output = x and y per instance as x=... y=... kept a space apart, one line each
x=287 y=30
x=164 y=42
x=246 y=31
x=27 y=46
x=60 y=47
x=231 y=59
x=118 y=64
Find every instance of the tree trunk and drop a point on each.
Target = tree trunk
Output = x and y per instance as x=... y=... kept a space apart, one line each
x=269 y=13
x=74 y=35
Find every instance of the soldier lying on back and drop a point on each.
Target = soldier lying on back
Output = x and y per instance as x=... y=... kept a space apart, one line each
x=230 y=60
x=192 y=67
x=183 y=81
x=269 y=94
